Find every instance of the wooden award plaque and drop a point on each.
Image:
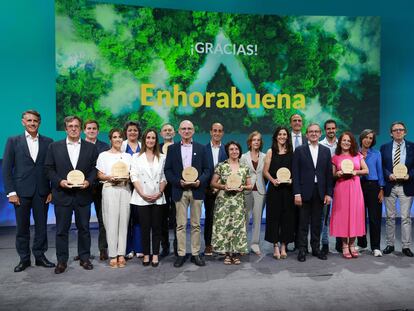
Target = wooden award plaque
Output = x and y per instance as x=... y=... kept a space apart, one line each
x=234 y=181
x=347 y=166
x=400 y=171
x=165 y=148
x=120 y=170
x=190 y=174
x=75 y=178
x=283 y=175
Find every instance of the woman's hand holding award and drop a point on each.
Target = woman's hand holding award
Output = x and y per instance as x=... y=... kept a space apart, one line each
x=283 y=175
x=234 y=182
x=347 y=167
x=120 y=171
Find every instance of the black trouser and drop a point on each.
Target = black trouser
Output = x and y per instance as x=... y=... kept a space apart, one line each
x=150 y=217
x=168 y=219
x=97 y=201
x=312 y=210
x=209 y=201
x=63 y=223
x=22 y=211
x=370 y=189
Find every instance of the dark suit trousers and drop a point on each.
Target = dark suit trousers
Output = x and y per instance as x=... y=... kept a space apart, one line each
x=97 y=201
x=168 y=219
x=150 y=217
x=40 y=209
x=209 y=201
x=63 y=223
x=310 y=210
x=370 y=190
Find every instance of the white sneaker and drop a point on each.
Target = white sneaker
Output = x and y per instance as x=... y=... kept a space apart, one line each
x=377 y=253
x=130 y=255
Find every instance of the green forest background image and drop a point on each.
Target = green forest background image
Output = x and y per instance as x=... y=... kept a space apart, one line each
x=105 y=52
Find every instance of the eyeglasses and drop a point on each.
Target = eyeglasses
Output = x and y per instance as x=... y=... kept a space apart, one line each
x=314 y=132
x=398 y=130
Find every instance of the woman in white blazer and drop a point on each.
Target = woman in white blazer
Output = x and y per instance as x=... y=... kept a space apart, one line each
x=147 y=175
x=254 y=160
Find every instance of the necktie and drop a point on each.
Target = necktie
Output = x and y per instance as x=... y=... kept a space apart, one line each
x=397 y=156
x=296 y=141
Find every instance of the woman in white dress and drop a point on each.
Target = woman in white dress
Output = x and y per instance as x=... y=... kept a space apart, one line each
x=147 y=175
x=116 y=195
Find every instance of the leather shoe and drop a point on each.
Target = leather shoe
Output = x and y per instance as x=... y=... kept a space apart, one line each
x=86 y=264
x=407 y=252
x=60 y=267
x=388 y=250
x=165 y=252
x=146 y=263
x=155 y=263
x=103 y=254
x=179 y=261
x=43 y=262
x=22 y=265
x=302 y=255
x=76 y=258
x=319 y=254
x=198 y=260
x=325 y=249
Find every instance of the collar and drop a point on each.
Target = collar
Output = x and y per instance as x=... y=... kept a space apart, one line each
x=186 y=145
x=213 y=146
x=68 y=142
x=27 y=135
x=395 y=144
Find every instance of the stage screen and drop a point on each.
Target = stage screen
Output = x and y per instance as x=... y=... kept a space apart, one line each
x=250 y=72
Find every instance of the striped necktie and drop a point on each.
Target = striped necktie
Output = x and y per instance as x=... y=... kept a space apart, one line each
x=397 y=155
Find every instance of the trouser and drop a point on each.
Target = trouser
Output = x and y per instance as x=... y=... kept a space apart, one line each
x=97 y=202
x=181 y=216
x=63 y=223
x=22 y=211
x=209 y=202
x=397 y=192
x=168 y=219
x=310 y=210
x=254 y=206
x=150 y=217
x=370 y=189
x=325 y=218
x=116 y=212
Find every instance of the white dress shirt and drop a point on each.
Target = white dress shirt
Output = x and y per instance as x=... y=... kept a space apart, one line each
x=33 y=144
x=73 y=150
x=215 y=153
x=314 y=153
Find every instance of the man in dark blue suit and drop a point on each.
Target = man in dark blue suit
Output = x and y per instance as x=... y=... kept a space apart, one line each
x=62 y=157
x=398 y=151
x=183 y=154
x=215 y=153
x=312 y=187
x=28 y=188
x=91 y=131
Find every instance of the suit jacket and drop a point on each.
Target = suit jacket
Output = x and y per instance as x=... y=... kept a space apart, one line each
x=174 y=168
x=20 y=173
x=222 y=156
x=58 y=166
x=386 y=155
x=256 y=175
x=304 y=172
x=303 y=136
x=101 y=146
x=149 y=180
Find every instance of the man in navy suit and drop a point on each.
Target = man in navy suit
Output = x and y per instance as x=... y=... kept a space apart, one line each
x=62 y=157
x=296 y=124
x=215 y=153
x=91 y=131
x=312 y=187
x=180 y=155
x=398 y=151
x=28 y=188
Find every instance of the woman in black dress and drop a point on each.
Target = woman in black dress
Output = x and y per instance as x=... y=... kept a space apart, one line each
x=280 y=215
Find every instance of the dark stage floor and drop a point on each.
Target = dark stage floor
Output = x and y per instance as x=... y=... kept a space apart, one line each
x=261 y=283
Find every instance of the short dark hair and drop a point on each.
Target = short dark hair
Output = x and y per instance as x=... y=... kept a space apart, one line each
x=132 y=123
x=353 y=150
x=250 y=138
x=398 y=122
x=233 y=142
x=69 y=119
x=90 y=122
x=329 y=121
x=364 y=134
x=114 y=130
x=33 y=112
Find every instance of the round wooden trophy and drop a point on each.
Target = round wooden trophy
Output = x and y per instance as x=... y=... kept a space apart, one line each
x=347 y=167
x=190 y=174
x=234 y=181
x=75 y=178
x=165 y=148
x=120 y=170
x=400 y=171
x=283 y=175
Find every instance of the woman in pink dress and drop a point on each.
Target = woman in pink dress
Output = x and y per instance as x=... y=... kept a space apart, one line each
x=348 y=211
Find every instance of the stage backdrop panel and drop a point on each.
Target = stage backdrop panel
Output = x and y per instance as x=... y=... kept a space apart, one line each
x=117 y=62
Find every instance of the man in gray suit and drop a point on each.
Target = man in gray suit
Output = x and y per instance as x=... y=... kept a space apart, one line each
x=28 y=188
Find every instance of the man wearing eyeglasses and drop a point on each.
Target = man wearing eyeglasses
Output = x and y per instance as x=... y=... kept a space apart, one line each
x=398 y=151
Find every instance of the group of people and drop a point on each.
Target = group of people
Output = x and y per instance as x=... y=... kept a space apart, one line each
x=140 y=189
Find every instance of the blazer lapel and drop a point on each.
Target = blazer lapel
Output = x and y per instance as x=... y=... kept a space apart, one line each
x=145 y=164
x=309 y=155
x=25 y=146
